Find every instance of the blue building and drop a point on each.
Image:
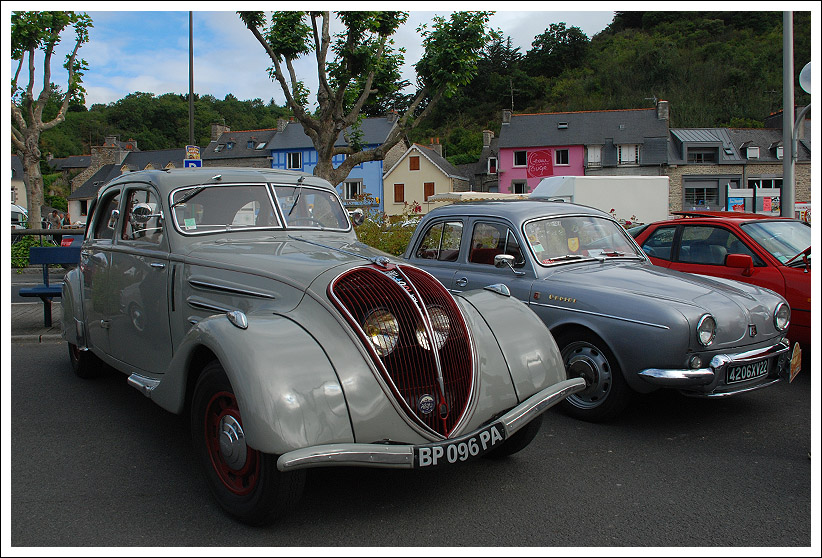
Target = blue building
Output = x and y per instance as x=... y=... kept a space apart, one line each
x=288 y=147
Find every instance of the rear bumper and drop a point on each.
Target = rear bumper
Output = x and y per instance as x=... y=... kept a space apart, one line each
x=401 y=456
x=711 y=381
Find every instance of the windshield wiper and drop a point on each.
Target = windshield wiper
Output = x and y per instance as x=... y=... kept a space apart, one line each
x=188 y=196
x=803 y=254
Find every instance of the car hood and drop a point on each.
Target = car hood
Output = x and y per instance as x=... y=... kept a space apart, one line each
x=630 y=286
x=299 y=261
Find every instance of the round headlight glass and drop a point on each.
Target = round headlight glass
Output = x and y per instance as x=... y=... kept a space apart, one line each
x=441 y=326
x=382 y=330
x=706 y=330
x=782 y=316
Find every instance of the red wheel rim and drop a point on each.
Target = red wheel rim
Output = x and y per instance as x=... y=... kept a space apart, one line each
x=239 y=481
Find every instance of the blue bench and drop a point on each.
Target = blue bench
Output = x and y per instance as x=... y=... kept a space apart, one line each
x=48 y=256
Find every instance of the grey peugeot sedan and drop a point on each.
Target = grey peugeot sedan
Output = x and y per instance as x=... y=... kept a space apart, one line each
x=621 y=323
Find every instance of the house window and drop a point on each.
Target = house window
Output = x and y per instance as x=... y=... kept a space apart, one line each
x=779 y=152
x=561 y=157
x=295 y=160
x=628 y=154
x=702 y=197
x=764 y=183
x=250 y=144
x=352 y=189
x=229 y=145
x=428 y=190
x=702 y=155
x=492 y=165
x=414 y=163
x=83 y=207
x=519 y=187
x=219 y=147
x=594 y=155
x=399 y=193
x=753 y=152
x=260 y=145
x=520 y=158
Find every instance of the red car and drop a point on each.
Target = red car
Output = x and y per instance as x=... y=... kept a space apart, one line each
x=772 y=252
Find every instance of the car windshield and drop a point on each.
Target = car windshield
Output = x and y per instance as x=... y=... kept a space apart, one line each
x=243 y=207
x=577 y=237
x=784 y=239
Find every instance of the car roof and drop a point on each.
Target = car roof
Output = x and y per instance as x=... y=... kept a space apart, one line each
x=171 y=179
x=725 y=215
x=515 y=210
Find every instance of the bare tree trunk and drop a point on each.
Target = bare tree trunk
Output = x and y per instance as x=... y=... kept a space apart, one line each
x=30 y=158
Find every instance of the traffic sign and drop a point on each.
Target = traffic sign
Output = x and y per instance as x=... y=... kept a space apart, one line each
x=190 y=163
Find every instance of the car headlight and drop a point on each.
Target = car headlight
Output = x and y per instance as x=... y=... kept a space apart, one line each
x=382 y=329
x=782 y=316
x=706 y=330
x=441 y=326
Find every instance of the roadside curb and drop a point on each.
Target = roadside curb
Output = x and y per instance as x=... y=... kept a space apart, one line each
x=35 y=338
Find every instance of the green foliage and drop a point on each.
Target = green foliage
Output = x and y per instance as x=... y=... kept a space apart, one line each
x=20 y=251
x=57 y=202
x=390 y=234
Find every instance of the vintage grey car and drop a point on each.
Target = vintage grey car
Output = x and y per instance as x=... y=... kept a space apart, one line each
x=623 y=324
x=242 y=297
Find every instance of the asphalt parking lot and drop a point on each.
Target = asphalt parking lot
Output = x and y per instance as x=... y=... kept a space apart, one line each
x=94 y=463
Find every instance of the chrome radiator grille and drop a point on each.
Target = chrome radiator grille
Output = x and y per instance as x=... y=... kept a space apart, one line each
x=417 y=338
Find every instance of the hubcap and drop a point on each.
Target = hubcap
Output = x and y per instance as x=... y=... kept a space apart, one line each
x=583 y=360
x=232 y=443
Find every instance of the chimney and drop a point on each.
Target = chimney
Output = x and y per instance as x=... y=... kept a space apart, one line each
x=506 y=116
x=487 y=136
x=111 y=141
x=392 y=116
x=662 y=110
x=217 y=130
x=436 y=146
x=281 y=124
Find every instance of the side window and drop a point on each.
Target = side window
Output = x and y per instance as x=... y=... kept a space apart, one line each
x=704 y=245
x=143 y=218
x=106 y=217
x=441 y=242
x=659 y=244
x=489 y=240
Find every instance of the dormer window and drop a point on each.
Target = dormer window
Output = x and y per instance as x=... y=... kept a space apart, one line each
x=229 y=145
x=702 y=155
x=780 y=152
x=250 y=144
x=260 y=145
x=492 y=165
x=753 y=152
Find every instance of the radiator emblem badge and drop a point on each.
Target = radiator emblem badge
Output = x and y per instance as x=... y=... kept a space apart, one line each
x=426 y=404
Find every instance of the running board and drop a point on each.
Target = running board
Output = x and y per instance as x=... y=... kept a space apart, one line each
x=142 y=384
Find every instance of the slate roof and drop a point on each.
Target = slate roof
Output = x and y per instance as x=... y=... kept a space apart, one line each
x=375 y=131
x=134 y=161
x=240 y=149
x=632 y=126
x=732 y=144
x=767 y=140
x=71 y=162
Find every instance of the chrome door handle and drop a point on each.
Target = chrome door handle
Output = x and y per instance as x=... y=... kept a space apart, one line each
x=158 y=265
x=462 y=281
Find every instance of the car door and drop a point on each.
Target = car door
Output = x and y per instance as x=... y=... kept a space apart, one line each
x=95 y=259
x=138 y=320
x=659 y=245
x=485 y=239
x=438 y=249
x=704 y=248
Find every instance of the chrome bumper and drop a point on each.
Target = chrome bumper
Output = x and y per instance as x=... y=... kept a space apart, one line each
x=401 y=456
x=709 y=382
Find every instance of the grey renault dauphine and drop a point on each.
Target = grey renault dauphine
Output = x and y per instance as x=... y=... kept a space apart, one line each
x=621 y=323
x=242 y=297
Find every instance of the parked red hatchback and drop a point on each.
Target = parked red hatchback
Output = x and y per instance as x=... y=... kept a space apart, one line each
x=772 y=252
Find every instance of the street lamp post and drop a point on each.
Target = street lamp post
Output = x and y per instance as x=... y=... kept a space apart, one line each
x=787 y=201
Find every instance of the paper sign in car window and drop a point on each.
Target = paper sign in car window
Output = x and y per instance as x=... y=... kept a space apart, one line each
x=191 y=224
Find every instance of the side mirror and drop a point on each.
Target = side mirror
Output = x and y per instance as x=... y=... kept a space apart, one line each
x=357 y=217
x=112 y=221
x=141 y=213
x=506 y=260
x=740 y=261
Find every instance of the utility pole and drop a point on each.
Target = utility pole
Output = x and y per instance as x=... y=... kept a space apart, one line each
x=787 y=201
x=190 y=80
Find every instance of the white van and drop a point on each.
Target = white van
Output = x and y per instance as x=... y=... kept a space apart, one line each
x=19 y=217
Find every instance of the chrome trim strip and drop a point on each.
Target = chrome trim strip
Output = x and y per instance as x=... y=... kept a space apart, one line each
x=202 y=305
x=142 y=384
x=401 y=456
x=660 y=326
x=197 y=283
x=678 y=378
x=729 y=393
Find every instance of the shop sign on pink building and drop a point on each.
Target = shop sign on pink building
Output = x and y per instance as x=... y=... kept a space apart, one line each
x=541 y=163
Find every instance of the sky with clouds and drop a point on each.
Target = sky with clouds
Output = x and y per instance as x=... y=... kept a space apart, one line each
x=148 y=50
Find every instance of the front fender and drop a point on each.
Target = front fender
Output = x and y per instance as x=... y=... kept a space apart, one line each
x=287 y=390
x=525 y=342
x=72 y=305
